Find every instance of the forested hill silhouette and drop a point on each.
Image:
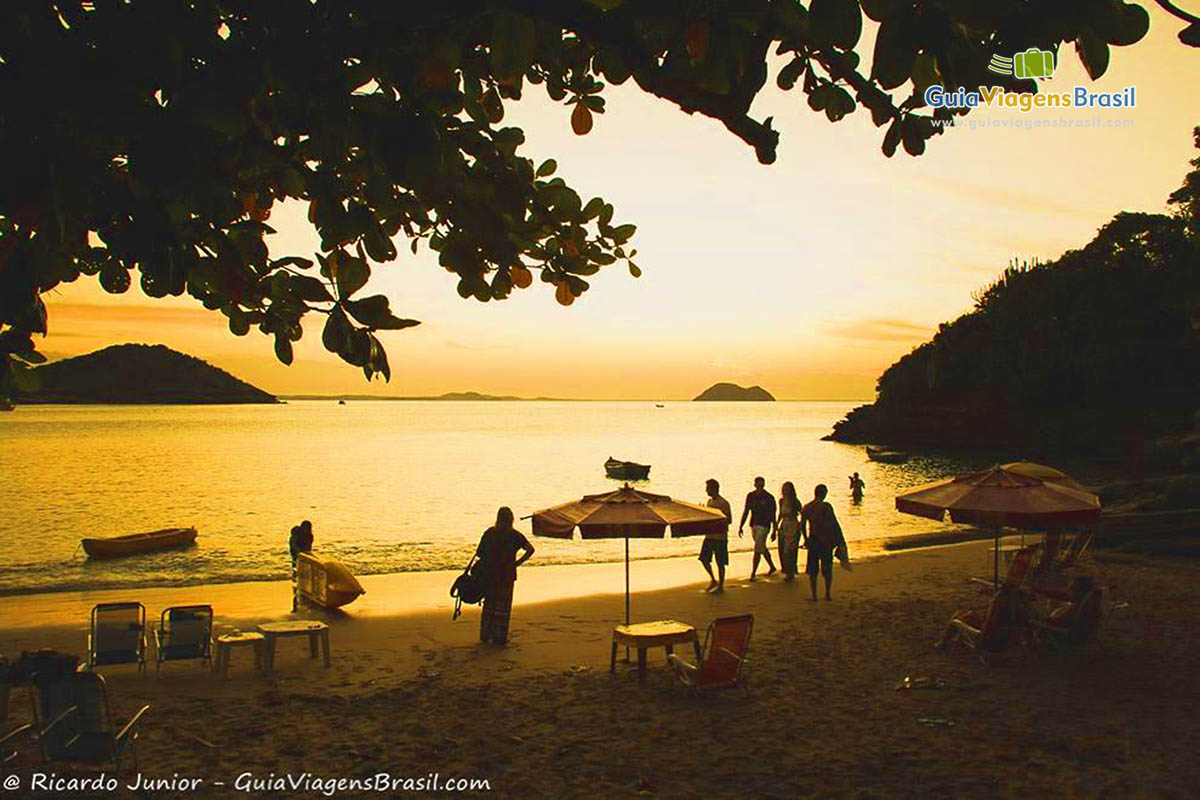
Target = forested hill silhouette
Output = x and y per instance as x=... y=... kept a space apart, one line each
x=134 y=373
x=1097 y=350
x=731 y=391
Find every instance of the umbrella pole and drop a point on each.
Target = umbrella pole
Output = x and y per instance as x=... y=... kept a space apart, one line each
x=627 y=591
x=996 y=562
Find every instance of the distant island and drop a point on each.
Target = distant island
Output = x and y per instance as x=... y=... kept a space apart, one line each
x=134 y=374
x=731 y=391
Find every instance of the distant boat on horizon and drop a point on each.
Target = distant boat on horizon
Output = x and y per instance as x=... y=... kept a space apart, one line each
x=659 y=405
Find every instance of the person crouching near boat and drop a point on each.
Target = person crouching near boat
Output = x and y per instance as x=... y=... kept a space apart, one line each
x=301 y=541
x=497 y=552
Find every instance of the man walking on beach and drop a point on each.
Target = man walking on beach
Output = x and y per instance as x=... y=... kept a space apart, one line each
x=822 y=534
x=716 y=544
x=760 y=507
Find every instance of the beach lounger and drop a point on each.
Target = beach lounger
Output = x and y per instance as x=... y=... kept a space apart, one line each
x=1077 y=628
x=117 y=635
x=1004 y=627
x=184 y=632
x=74 y=722
x=1018 y=569
x=724 y=660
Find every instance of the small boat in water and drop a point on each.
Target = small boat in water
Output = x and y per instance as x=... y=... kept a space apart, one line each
x=626 y=470
x=325 y=582
x=135 y=543
x=885 y=456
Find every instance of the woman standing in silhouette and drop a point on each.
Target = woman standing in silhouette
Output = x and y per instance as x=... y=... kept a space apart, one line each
x=789 y=530
x=497 y=553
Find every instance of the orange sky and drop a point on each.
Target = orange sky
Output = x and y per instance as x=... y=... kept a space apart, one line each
x=808 y=277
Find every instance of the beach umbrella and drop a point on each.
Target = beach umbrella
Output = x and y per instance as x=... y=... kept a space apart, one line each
x=1030 y=497
x=626 y=513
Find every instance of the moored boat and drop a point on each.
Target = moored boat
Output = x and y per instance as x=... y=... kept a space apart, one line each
x=325 y=582
x=135 y=543
x=885 y=456
x=626 y=470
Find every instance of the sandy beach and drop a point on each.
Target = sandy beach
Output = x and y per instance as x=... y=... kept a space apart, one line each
x=411 y=693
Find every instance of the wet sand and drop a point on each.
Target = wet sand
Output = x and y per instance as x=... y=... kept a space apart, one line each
x=411 y=693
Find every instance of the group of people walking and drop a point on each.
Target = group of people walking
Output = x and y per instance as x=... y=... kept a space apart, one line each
x=813 y=527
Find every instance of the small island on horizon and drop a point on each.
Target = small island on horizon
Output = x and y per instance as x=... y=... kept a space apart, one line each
x=731 y=391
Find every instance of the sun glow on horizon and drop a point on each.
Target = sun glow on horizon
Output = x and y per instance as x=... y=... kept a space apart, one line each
x=807 y=277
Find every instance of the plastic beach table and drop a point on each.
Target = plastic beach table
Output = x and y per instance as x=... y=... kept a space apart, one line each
x=315 y=631
x=228 y=641
x=665 y=633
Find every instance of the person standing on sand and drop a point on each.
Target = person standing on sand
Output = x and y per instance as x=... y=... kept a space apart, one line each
x=788 y=526
x=497 y=553
x=822 y=534
x=716 y=544
x=760 y=507
x=856 y=488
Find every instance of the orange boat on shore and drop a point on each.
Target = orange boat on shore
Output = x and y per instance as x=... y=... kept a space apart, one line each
x=135 y=543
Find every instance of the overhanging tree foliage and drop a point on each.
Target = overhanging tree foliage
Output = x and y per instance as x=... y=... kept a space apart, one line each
x=157 y=135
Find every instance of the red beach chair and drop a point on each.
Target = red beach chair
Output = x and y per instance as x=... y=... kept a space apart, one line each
x=725 y=646
x=1004 y=626
x=1018 y=569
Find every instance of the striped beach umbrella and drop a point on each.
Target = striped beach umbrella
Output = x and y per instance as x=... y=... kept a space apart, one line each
x=626 y=513
x=1028 y=497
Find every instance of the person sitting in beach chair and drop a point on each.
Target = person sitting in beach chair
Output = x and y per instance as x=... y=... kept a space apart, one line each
x=74 y=723
x=184 y=632
x=117 y=635
x=1076 y=620
x=1002 y=626
x=725 y=646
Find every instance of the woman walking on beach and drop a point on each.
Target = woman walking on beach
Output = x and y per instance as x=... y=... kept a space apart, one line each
x=497 y=553
x=789 y=530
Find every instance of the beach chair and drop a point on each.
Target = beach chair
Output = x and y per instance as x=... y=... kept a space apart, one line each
x=1004 y=627
x=1074 y=551
x=1048 y=555
x=724 y=660
x=74 y=723
x=1018 y=569
x=117 y=635
x=1079 y=627
x=7 y=751
x=184 y=632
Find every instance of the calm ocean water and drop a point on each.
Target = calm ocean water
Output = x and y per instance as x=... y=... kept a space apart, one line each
x=389 y=486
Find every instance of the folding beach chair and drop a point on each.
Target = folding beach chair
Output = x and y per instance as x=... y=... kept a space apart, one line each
x=7 y=751
x=117 y=635
x=74 y=722
x=724 y=662
x=184 y=632
x=1018 y=569
x=1074 y=551
x=1003 y=627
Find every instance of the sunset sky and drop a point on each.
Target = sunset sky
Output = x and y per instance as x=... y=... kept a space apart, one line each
x=808 y=276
